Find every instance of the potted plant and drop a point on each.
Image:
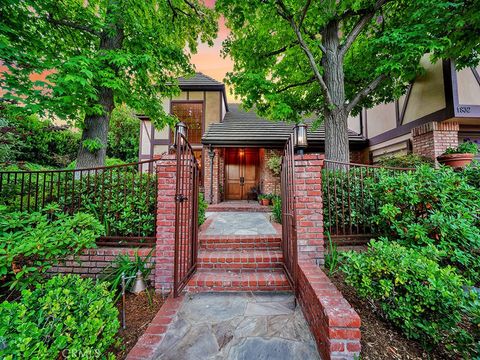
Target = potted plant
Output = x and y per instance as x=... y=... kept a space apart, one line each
x=264 y=200
x=459 y=157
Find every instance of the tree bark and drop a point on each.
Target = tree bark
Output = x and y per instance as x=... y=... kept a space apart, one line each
x=96 y=126
x=336 y=117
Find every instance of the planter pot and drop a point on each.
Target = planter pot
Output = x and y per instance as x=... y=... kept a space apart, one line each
x=455 y=160
x=265 y=202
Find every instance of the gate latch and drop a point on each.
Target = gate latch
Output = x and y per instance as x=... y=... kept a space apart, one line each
x=180 y=198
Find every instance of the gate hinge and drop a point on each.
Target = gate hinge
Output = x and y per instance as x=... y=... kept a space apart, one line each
x=180 y=198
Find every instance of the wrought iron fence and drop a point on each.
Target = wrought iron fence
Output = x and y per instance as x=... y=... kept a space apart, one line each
x=348 y=201
x=186 y=214
x=122 y=197
x=289 y=231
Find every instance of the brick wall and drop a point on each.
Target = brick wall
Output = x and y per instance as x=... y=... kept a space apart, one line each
x=309 y=206
x=333 y=322
x=218 y=174
x=270 y=182
x=165 y=244
x=91 y=262
x=433 y=138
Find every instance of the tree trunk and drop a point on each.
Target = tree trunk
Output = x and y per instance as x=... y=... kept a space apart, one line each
x=336 y=118
x=96 y=126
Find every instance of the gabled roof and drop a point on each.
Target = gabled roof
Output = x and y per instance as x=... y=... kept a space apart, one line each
x=202 y=82
x=241 y=128
x=199 y=81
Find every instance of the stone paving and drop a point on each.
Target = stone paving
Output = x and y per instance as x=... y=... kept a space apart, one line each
x=238 y=326
x=240 y=223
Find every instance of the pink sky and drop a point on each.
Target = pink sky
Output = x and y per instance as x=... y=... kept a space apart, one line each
x=209 y=61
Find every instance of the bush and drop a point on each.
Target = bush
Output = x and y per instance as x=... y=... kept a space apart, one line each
x=471 y=174
x=31 y=243
x=108 y=162
x=67 y=317
x=352 y=187
x=123 y=134
x=202 y=208
x=413 y=291
x=277 y=209
x=406 y=161
x=432 y=207
x=39 y=140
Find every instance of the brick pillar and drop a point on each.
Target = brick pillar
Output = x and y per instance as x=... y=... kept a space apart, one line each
x=432 y=139
x=216 y=176
x=309 y=207
x=165 y=244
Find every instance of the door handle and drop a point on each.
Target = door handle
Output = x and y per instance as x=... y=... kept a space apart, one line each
x=242 y=180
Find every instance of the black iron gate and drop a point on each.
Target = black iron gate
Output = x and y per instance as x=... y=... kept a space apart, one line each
x=186 y=214
x=289 y=232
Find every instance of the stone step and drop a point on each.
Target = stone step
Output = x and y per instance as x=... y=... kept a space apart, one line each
x=244 y=259
x=239 y=280
x=240 y=242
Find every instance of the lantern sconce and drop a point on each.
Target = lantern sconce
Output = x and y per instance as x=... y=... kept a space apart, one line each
x=180 y=128
x=300 y=138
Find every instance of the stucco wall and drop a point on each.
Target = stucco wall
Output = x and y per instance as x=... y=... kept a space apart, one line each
x=468 y=87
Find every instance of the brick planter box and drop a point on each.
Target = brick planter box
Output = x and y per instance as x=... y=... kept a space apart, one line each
x=333 y=322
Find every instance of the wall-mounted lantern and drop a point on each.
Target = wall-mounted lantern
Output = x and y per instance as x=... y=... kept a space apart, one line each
x=300 y=137
x=180 y=128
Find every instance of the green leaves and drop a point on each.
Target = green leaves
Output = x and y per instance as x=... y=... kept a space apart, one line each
x=33 y=243
x=66 y=317
x=66 y=44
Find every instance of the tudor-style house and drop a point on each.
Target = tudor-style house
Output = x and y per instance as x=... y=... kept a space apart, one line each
x=440 y=109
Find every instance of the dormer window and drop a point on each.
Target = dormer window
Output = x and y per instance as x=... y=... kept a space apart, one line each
x=191 y=113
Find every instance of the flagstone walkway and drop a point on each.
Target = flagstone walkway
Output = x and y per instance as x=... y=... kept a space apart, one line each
x=239 y=223
x=238 y=326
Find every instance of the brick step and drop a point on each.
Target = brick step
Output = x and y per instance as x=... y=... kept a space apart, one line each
x=244 y=259
x=223 y=243
x=240 y=280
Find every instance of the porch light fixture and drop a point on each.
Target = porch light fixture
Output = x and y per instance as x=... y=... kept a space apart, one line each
x=180 y=128
x=300 y=138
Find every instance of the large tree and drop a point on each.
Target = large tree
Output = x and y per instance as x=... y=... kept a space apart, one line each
x=98 y=53
x=331 y=58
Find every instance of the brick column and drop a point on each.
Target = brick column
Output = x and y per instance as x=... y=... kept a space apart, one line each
x=208 y=177
x=309 y=207
x=432 y=139
x=165 y=244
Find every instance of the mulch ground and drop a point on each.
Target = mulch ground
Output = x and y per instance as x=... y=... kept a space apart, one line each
x=380 y=340
x=139 y=313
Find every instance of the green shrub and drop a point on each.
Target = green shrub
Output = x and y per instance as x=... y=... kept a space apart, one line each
x=123 y=134
x=413 y=291
x=405 y=161
x=31 y=243
x=66 y=318
x=277 y=209
x=108 y=162
x=471 y=174
x=432 y=207
x=343 y=189
x=39 y=140
x=202 y=208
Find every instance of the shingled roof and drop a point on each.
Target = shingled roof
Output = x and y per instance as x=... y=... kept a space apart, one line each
x=241 y=128
x=199 y=81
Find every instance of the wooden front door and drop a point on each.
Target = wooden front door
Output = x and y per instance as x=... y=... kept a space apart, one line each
x=240 y=172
